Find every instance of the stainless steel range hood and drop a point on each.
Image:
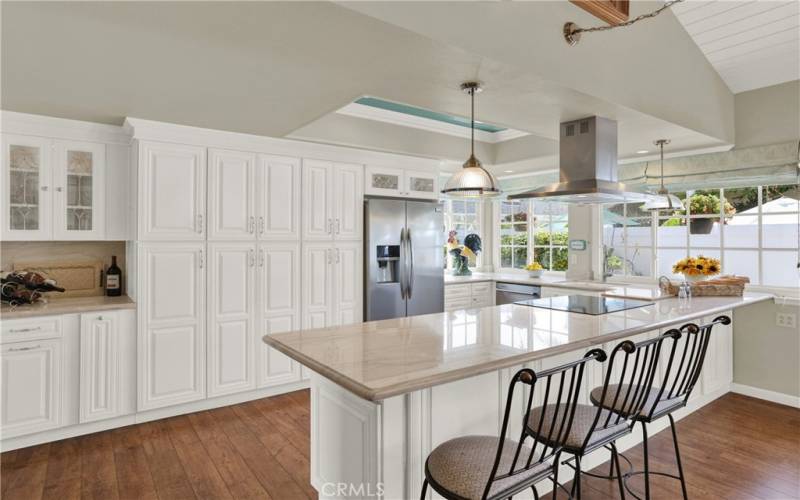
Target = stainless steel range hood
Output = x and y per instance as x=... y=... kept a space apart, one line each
x=588 y=166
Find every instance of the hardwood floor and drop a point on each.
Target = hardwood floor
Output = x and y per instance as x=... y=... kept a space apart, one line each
x=735 y=448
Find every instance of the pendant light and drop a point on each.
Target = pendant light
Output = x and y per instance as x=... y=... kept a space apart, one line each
x=472 y=181
x=664 y=201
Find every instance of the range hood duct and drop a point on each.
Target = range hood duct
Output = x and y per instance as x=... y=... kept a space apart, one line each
x=588 y=166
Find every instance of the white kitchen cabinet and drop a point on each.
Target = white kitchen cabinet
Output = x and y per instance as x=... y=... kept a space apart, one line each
x=333 y=195
x=231 y=320
x=396 y=182
x=278 y=308
x=468 y=295
x=100 y=366
x=278 y=198
x=231 y=195
x=171 y=346
x=717 y=371
x=79 y=190
x=27 y=188
x=31 y=386
x=172 y=192
x=332 y=284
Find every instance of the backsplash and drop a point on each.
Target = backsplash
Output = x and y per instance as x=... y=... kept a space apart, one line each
x=76 y=265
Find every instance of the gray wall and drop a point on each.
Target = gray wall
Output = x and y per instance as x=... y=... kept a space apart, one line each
x=766 y=356
x=768 y=116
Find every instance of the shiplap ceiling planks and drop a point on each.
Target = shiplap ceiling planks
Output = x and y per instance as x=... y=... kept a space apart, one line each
x=751 y=44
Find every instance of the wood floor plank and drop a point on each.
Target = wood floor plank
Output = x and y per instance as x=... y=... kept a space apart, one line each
x=133 y=473
x=98 y=472
x=203 y=475
x=270 y=473
x=238 y=477
x=25 y=479
x=284 y=422
x=168 y=475
x=63 y=480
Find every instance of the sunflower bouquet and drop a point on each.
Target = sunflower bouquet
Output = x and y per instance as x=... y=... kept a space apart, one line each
x=697 y=267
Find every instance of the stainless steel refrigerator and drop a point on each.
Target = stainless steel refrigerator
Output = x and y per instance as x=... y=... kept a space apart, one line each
x=405 y=258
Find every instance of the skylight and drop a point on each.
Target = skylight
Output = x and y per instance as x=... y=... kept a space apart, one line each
x=374 y=102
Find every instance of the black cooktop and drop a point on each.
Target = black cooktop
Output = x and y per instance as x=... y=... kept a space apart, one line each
x=585 y=304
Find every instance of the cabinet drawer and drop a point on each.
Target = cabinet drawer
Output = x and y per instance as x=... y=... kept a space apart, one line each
x=30 y=329
x=482 y=289
x=458 y=303
x=457 y=291
x=481 y=301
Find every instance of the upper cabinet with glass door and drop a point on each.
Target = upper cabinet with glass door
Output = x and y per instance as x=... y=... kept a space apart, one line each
x=79 y=191
x=401 y=183
x=52 y=190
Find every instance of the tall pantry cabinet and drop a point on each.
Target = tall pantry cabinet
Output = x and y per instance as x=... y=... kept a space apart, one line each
x=224 y=239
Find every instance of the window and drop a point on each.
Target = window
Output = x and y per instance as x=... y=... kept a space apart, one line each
x=533 y=231
x=753 y=231
x=463 y=217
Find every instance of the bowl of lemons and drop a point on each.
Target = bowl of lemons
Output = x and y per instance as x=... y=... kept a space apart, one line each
x=534 y=269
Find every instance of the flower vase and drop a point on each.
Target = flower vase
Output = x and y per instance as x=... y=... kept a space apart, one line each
x=695 y=278
x=460 y=266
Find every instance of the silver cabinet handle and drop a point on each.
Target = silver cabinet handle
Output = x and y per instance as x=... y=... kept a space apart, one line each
x=338 y=259
x=201 y=259
x=261 y=258
x=338 y=226
x=252 y=225
x=330 y=226
x=29 y=348
x=100 y=318
x=328 y=252
x=252 y=258
x=44 y=188
x=23 y=330
x=59 y=189
x=199 y=223
x=261 y=225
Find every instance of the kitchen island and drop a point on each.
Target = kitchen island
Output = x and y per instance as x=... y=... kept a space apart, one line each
x=385 y=393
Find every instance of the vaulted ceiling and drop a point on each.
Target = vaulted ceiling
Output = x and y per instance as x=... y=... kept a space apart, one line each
x=285 y=68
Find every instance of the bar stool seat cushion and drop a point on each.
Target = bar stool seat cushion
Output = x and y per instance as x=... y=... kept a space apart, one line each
x=462 y=466
x=664 y=405
x=581 y=423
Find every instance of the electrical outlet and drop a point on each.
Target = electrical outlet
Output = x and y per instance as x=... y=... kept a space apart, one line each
x=786 y=320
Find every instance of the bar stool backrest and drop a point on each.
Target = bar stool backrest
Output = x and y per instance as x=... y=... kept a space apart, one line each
x=561 y=387
x=631 y=371
x=682 y=369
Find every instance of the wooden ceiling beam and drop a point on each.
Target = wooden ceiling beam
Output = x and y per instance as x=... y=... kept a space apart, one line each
x=610 y=11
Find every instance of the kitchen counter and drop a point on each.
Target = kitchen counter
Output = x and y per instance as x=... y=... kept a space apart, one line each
x=381 y=359
x=67 y=306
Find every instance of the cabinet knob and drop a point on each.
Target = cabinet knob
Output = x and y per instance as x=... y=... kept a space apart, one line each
x=59 y=189
x=44 y=188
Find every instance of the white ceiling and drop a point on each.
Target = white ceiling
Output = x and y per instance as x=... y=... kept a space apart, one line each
x=751 y=44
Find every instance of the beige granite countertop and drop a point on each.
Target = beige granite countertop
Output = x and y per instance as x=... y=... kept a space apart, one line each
x=67 y=306
x=380 y=359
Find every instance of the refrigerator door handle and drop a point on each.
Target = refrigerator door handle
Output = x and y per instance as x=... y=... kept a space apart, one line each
x=410 y=279
x=403 y=258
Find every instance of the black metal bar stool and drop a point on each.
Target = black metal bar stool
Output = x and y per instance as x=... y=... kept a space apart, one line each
x=632 y=365
x=673 y=393
x=488 y=467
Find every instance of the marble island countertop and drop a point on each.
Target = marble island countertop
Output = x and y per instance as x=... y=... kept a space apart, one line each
x=380 y=359
x=66 y=306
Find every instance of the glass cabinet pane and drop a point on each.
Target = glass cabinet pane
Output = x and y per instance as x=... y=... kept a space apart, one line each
x=385 y=181
x=80 y=165
x=421 y=184
x=25 y=163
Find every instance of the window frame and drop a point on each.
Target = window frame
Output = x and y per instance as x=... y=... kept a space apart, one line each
x=447 y=214
x=532 y=223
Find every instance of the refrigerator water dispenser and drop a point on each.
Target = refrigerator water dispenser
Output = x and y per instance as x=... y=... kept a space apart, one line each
x=388 y=257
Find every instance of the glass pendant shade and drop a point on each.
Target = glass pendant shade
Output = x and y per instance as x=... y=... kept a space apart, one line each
x=664 y=202
x=472 y=181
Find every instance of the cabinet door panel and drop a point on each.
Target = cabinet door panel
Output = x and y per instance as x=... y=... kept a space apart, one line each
x=276 y=367
x=231 y=319
x=422 y=185
x=172 y=350
x=26 y=188
x=279 y=212
x=231 y=195
x=348 y=282
x=279 y=264
x=317 y=285
x=100 y=367
x=349 y=201
x=31 y=387
x=79 y=197
x=384 y=181
x=317 y=192
x=172 y=192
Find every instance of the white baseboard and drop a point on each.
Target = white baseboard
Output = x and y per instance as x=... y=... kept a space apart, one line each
x=775 y=397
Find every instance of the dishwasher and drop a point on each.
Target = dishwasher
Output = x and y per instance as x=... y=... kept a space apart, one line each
x=507 y=293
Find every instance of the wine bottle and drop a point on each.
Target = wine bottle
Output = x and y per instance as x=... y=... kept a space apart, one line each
x=114 y=279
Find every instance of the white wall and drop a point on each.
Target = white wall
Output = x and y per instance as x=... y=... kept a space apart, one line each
x=768 y=116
